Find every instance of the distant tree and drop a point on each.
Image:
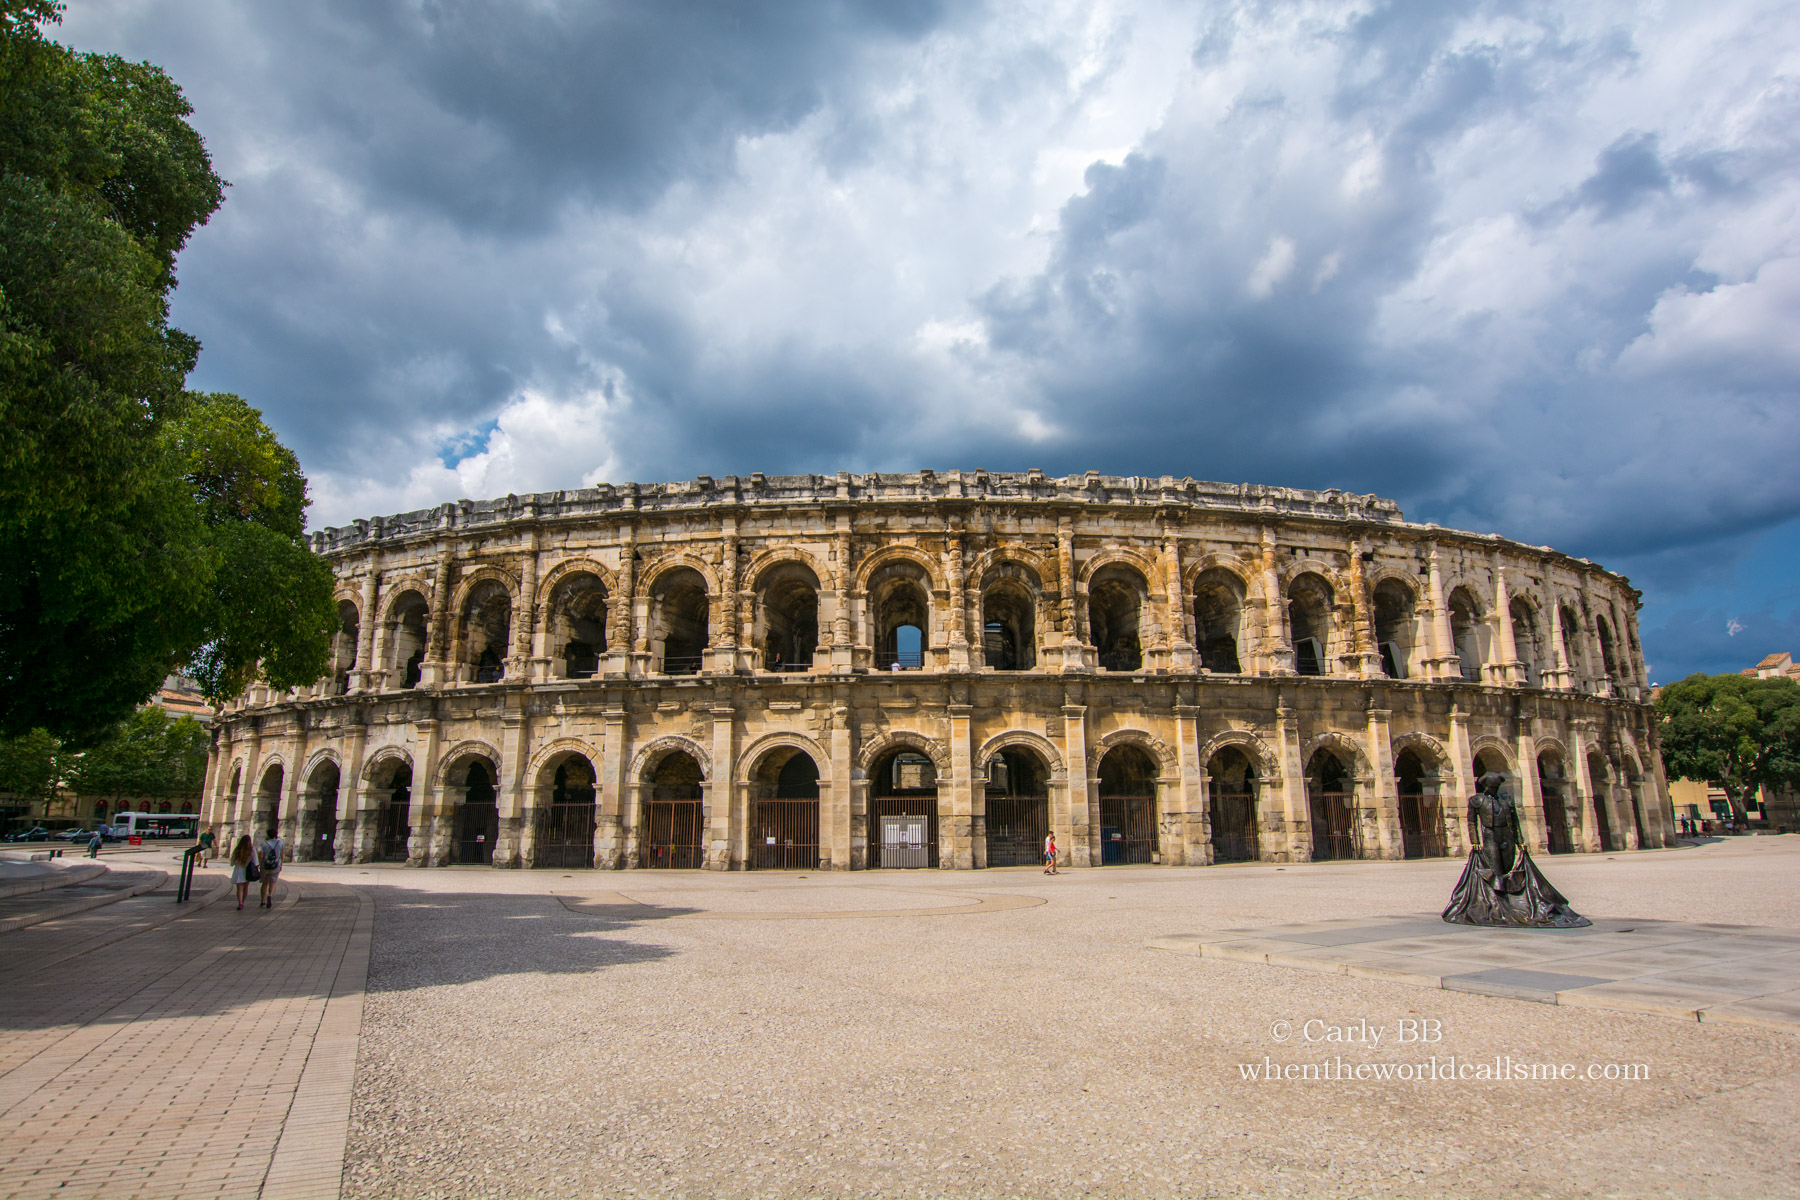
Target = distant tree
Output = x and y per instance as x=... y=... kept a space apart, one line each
x=149 y=756
x=1735 y=732
x=143 y=528
x=30 y=765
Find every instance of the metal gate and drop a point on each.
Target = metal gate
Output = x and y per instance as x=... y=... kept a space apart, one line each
x=1335 y=834
x=392 y=832
x=324 y=847
x=903 y=842
x=672 y=835
x=1234 y=826
x=565 y=837
x=477 y=827
x=1421 y=826
x=1127 y=829
x=785 y=835
x=1016 y=829
x=923 y=809
x=1556 y=821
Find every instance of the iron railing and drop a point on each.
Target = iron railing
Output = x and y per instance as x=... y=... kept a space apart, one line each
x=1127 y=829
x=1016 y=829
x=1234 y=826
x=673 y=835
x=784 y=833
x=565 y=837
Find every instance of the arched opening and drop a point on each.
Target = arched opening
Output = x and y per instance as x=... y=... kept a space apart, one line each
x=678 y=621
x=1600 y=781
x=1466 y=630
x=1231 y=784
x=1396 y=607
x=343 y=647
x=1009 y=598
x=564 y=827
x=900 y=602
x=903 y=813
x=673 y=816
x=1218 y=621
x=393 y=814
x=1128 y=832
x=268 y=801
x=790 y=617
x=322 y=797
x=784 y=826
x=1528 y=643
x=163 y=806
x=1421 y=813
x=406 y=623
x=1116 y=598
x=478 y=816
x=187 y=806
x=486 y=629
x=1553 y=791
x=234 y=799
x=1309 y=623
x=1331 y=798
x=1571 y=632
x=1018 y=808
x=577 y=618
x=1608 y=659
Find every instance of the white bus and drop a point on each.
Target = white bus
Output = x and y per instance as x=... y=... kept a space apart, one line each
x=156 y=825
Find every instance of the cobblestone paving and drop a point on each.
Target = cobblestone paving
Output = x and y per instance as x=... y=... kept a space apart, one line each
x=517 y=1045
x=154 y=1055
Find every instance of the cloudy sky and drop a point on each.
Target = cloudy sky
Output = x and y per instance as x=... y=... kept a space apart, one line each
x=1525 y=267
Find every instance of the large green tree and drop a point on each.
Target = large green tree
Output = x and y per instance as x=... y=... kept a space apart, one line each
x=143 y=528
x=1736 y=732
x=148 y=756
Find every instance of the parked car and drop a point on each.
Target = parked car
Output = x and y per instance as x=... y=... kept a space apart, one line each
x=39 y=834
x=73 y=835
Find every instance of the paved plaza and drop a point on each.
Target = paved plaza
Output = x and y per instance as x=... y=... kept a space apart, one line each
x=896 y=1034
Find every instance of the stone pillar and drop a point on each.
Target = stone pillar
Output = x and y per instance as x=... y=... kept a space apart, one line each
x=727 y=818
x=1076 y=654
x=525 y=655
x=351 y=789
x=436 y=667
x=1364 y=660
x=621 y=636
x=1590 y=792
x=836 y=851
x=1077 y=826
x=367 y=675
x=617 y=817
x=1510 y=669
x=1181 y=646
x=962 y=839
x=1444 y=662
x=725 y=637
x=1291 y=840
x=1562 y=677
x=1530 y=798
x=249 y=814
x=427 y=846
x=1454 y=808
x=512 y=843
x=1382 y=808
x=1277 y=654
x=842 y=635
x=1192 y=841
x=296 y=822
x=957 y=640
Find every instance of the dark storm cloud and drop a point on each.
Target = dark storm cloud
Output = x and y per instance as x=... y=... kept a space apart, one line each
x=1525 y=267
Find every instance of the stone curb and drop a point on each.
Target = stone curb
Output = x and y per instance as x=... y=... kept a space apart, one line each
x=61 y=877
x=158 y=878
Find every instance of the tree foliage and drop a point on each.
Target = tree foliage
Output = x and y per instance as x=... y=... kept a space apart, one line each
x=148 y=756
x=143 y=528
x=1735 y=732
x=30 y=765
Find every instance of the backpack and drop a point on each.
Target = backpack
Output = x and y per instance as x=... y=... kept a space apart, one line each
x=271 y=857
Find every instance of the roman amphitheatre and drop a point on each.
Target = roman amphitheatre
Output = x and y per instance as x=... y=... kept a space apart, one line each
x=937 y=670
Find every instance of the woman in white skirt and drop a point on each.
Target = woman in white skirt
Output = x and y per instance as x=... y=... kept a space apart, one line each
x=241 y=856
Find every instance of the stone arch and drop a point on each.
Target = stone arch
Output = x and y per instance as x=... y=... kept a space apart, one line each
x=485 y=573
x=547 y=755
x=866 y=569
x=1037 y=743
x=1345 y=746
x=1505 y=753
x=1262 y=757
x=1144 y=563
x=776 y=556
x=460 y=753
x=903 y=739
x=1308 y=565
x=387 y=754
x=756 y=751
x=654 y=572
x=565 y=567
x=1144 y=740
x=1431 y=752
x=651 y=754
x=1000 y=555
x=1230 y=564
x=1554 y=745
x=317 y=759
x=396 y=591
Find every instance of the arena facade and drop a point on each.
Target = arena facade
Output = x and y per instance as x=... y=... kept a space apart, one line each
x=938 y=669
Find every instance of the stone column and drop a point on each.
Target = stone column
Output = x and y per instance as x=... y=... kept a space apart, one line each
x=296 y=822
x=621 y=634
x=427 y=846
x=1531 y=798
x=842 y=635
x=1075 y=651
x=958 y=639
x=249 y=814
x=617 y=817
x=1277 y=653
x=1510 y=669
x=727 y=819
x=1181 y=646
x=436 y=667
x=1192 y=841
x=725 y=638
x=962 y=839
x=836 y=852
x=1590 y=792
x=527 y=661
x=1454 y=808
x=1383 y=811
x=1563 y=677
x=1444 y=662
x=351 y=789
x=1078 y=826
x=512 y=844
x=367 y=674
x=1364 y=659
x=1291 y=841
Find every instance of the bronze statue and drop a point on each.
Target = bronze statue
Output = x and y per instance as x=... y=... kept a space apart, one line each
x=1500 y=885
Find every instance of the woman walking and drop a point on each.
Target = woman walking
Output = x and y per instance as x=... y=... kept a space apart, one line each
x=242 y=858
x=1050 y=855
